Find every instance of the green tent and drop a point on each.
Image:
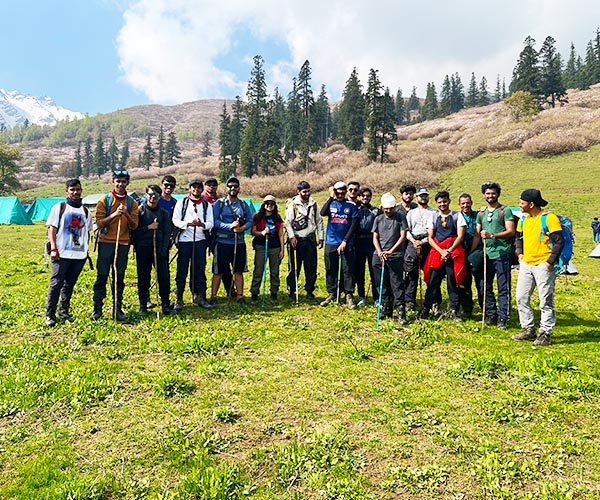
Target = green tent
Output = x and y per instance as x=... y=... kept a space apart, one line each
x=40 y=208
x=12 y=212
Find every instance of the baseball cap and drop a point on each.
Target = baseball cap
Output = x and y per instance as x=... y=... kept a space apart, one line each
x=195 y=181
x=340 y=185
x=422 y=191
x=388 y=200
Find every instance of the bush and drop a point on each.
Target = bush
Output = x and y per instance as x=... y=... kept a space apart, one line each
x=522 y=105
x=556 y=142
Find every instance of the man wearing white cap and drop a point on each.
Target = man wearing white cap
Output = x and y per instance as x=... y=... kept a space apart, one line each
x=342 y=217
x=389 y=235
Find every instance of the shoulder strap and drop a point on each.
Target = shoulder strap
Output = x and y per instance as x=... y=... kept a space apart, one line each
x=501 y=214
x=544 y=225
x=480 y=215
x=185 y=204
x=129 y=203
x=108 y=203
x=455 y=217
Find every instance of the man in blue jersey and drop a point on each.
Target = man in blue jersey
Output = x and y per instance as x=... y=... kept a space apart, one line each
x=342 y=220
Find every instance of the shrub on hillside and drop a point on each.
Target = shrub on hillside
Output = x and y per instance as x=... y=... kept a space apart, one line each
x=559 y=141
x=508 y=141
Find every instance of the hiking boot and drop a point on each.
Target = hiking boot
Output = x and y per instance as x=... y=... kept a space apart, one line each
x=254 y=300
x=202 y=302
x=120 y=315
x=330 y=298
x=490 y=320
x=361 y=302
x=542 y=340
x=178 y=307
x=411 y=306
x=401 y=317
x=241 y=301
x=143 y=311
x=97 y=311
x=525 y=334
x=502 y=324
x=454 y=316
x=310 y=297
x=50 y=320
x=195 y=299
x=274 y=299
x=350 y=301
x=149 y=304
x=435 y=309
x=423 y=314
x=213 y=301
x=167 y=310
x=65 y=316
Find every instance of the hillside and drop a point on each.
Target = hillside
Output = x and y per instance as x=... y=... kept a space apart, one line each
x=422 y=154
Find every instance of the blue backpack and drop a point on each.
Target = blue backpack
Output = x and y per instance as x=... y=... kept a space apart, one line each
x=562 y=264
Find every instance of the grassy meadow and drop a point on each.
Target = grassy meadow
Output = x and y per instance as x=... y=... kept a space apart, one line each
x=304 y=402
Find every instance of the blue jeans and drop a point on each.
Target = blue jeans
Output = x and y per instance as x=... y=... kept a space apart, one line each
x=500 y=268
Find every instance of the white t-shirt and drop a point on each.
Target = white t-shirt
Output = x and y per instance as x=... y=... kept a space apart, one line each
x=72 y=232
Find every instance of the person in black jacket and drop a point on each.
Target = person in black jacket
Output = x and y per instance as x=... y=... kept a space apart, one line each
x=154 y=229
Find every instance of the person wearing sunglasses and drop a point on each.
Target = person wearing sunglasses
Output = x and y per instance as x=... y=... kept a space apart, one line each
x=447 y=258
x=353 y=192
x=267 y=224
x=152 y=236
x=116 y=217
x=474 y=257
x=364 y=247
x=167 y=201
x=496 y=225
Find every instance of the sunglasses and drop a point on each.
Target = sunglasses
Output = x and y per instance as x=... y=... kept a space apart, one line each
x=352 y=189
x=233 y=186
x=272 y=203
x=120 y=172
x=152 y=194
x=169 y=185
x=444 y=221
x=490 y=216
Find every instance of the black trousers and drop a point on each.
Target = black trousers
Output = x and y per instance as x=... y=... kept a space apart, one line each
x=304 y=255
x=104 y=264
x=196 y=267
x=392 y=287
x=144 y=263
x=434 y=293
x=65 y=273
x=332 y=261
x=364 y=250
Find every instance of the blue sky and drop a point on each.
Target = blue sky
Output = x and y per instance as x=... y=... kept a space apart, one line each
x=100 y=55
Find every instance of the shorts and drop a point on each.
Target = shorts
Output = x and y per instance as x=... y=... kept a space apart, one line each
x=223 y=258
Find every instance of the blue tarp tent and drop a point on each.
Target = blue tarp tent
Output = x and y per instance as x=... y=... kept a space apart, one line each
x=12 y=212
x=40 y=208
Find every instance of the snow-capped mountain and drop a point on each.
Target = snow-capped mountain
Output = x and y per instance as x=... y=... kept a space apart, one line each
x=15 y=108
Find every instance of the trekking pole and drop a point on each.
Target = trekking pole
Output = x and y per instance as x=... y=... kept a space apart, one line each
x=193 y=266
x=156 y=274
x=380 y=292
x=484 y=283
x=115 y=292
x=339 y=273
x=235 y=237
x=296 y=273
x=420 y=281
x=264 y=285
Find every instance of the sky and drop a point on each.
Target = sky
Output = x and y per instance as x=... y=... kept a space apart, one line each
x=96 y=56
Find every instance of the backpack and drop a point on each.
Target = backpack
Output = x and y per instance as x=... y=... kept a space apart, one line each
x=566 y=224
x=63 y=207
x=177 y=232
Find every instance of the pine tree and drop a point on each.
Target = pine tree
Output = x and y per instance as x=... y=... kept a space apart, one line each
x=206 y=151
x=504 y=92
x=374 y=114
x=113 y=154
x=458 y=93
x=88 y=157
x=570 y=77
x=413 y=101
x=307 y=110
x=352 y=113
x=252 y=141
x=597 y=52
x=551 y=85
x=172 y=151
x=446 y=97
x=78 y=161
x=273 y=140
x=498 y=90
x=483 y=94
x=148 y=153
x=526 y=75
x=226 y=167
x=160 y=147
x=322 y=118
x=400 y=108
x=590 y=67
x=472 y=93
x=236 y=131
x=124 y=155
x=277 y=114
x=292 y=122
x=430 y=105
x=388 y=127
x=100 y=161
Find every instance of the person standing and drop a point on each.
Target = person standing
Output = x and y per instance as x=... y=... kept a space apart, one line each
x=192 y=216
x=342 y=216
x=447 y=257
x=364 y=248
x=596 y=230
x=389 y=235
x=232 y=217
x=474 y=258
x=267 y=224
x=407 y=195
x=69 y=225
x=116 y=217
x=305 y=231
x=150 y=238
x=167 y=201
x=495 y=225
x=418 y=246
x=537 y=252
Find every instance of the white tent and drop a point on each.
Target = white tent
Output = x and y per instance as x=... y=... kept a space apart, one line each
x=595 y=252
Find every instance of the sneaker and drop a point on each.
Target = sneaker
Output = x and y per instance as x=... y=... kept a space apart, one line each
x=167 y=310
x=213 y=301
x=202 y=302
x=178 y=307
x=97 y=314
x=120 y=316
x=525 y=334
x=401 y=318
x=311 y=297
x=195 y=299
x=143 y=311
x=491 y=320
x=330 y=298
x=66 y=316
x=454 y=316
x=410 y=306
x=50 y=320
x=423 y=314
x=254 y=300
x=350 y=301
x=361 y=302
x=502 y=324
x=543 y=339
x=240 y=301
x=274 y=299
x=150 y=305
x=435 y=309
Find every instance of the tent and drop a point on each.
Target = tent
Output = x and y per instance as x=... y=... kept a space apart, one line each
x=40 y=208
x=11 y=211
x=595 y=252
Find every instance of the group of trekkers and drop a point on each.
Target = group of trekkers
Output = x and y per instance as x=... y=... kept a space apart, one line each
x=394 y=241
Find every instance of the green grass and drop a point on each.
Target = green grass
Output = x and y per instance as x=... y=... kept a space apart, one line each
x=303 y=402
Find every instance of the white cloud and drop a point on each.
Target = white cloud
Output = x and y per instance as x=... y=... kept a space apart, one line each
x=172 y=50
